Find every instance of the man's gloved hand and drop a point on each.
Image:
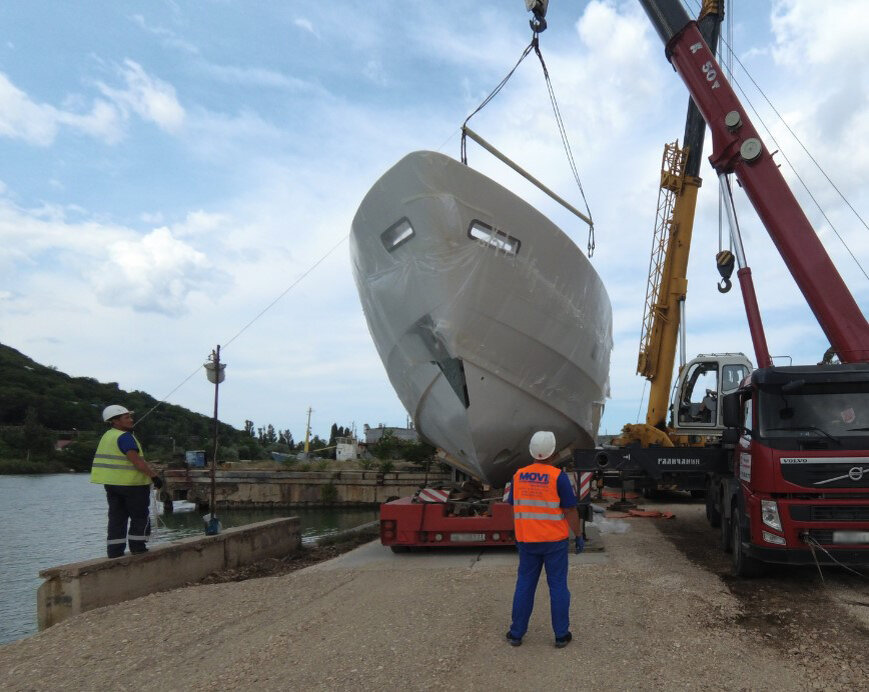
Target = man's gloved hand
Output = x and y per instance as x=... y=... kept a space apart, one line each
x=579 y=544
x=157 y=481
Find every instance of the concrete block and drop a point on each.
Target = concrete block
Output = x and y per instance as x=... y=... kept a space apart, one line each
x=81 y=586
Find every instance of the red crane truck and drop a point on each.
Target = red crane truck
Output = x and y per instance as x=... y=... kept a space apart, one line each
x=789 y=481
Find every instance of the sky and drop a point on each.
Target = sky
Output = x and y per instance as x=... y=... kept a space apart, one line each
x=178 y=175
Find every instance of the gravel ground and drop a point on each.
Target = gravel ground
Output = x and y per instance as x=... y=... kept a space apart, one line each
x=655 y=609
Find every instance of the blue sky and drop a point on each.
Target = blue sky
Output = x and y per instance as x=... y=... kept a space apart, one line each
x=169 y=169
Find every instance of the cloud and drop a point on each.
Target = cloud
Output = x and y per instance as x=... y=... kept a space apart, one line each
x=306 y=25
x=256 y=77
x=168 y=36
x=155 y=273
x=150 y=98
x=809 y=32
x=37 y=123
x=374 y=72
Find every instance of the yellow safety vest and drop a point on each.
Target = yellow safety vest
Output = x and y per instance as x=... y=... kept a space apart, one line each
x=111 y=466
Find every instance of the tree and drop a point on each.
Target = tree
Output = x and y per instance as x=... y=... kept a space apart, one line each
x=38 y=440
x=270 y=436
x=248 y=428
x=286 y=437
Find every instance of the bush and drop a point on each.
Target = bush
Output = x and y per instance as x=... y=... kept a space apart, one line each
x=77 y=455
x=321 y=465
x=9 y=466
x=366 y=464
x=385 y=466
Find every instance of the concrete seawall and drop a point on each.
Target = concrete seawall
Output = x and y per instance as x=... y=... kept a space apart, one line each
x=81 y=586
x=244 y=489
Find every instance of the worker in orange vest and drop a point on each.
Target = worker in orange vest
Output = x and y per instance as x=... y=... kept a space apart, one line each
x=544 y=507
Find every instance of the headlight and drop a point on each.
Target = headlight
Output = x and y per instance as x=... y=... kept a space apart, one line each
x=772 y=538
x=769 y=514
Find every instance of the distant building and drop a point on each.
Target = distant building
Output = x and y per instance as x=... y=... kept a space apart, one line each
x=347 y=449
x=373 y=435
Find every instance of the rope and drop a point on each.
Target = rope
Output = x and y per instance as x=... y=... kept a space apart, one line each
x=493 y=94
x=535 y=46
x=799 y=177
x=642 y=397
x=814 y=543
x=565 y=142
x=245 y=327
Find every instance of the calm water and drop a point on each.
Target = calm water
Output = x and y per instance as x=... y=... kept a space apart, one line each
x=51 y=520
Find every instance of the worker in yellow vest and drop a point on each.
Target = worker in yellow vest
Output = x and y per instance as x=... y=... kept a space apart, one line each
x=544 y=508
x=119 y=466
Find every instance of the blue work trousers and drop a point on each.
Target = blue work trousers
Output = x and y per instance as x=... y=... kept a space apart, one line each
x=532 y=558
x=129 y=518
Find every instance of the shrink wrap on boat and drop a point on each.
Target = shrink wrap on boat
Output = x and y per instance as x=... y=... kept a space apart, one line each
x=491 y=323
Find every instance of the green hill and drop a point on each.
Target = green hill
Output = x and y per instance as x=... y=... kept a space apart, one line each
x=40 y=405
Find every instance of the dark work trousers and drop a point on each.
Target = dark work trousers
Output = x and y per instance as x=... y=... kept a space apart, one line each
x=128 y=504
x=532 y=558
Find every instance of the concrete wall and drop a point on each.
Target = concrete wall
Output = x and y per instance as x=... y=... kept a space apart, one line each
x=296 y=488
x=82 y=586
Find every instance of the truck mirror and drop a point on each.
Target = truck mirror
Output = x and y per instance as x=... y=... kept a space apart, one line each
x=731 y=411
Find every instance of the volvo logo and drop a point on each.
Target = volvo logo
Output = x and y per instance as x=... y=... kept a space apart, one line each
x=855 y=474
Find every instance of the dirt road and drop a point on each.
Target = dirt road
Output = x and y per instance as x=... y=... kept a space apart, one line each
x=655 y=609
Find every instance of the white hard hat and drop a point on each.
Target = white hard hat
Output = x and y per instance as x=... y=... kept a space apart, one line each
x=113 y=411
x=542 y=444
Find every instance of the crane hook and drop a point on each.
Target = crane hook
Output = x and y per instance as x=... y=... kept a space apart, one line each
x=725 y=260
x=538 y=9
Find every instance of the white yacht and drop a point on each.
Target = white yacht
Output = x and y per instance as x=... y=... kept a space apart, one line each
x=491 y=323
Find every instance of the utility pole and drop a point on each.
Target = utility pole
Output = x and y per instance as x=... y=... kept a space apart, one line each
x=214 y=370
x=308 y=432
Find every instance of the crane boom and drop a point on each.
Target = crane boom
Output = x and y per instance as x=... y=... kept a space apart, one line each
x=737 y=148
x=671 y=245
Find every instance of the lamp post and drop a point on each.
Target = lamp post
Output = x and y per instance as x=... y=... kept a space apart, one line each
x=214 y=370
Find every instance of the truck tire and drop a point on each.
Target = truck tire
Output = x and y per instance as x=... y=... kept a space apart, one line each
x=725 y=540
x=713 y=516
x=742 y=565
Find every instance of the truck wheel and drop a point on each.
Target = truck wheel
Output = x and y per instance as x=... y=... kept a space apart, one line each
x=713 y=516
x=698 y=494
x=724 y=538
x=742 y=564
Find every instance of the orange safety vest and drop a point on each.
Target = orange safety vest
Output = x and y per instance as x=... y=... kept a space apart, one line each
x=537 y=513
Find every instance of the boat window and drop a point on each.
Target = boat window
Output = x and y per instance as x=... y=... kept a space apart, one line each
x=397 y=234
x=494 y=238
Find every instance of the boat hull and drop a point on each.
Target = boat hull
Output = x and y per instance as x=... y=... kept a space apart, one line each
x=490 y=322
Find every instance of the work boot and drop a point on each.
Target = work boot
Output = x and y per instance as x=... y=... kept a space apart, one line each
x=514 y=641
x=561 y=642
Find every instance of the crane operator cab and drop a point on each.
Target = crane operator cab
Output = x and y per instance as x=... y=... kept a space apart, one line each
x=701 y=385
